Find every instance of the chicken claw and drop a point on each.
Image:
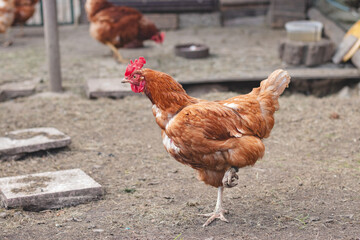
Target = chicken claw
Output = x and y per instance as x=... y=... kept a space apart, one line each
x=230 y=177
x=218 y=214
x=7 y=43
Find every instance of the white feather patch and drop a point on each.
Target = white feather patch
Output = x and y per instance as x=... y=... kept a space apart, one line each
x=169 y=144
x=170 y=116
x=157 y=111
x=231 y=105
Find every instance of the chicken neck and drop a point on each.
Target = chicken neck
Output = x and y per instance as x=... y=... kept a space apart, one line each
x=165 y=93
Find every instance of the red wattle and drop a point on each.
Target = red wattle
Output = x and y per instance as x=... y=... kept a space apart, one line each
x=137 y=88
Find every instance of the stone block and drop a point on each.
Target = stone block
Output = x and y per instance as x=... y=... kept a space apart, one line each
x=31 y=140
x=166 y=21
x=17 y=89
x=199 y=20
x=49 y=190
x=113 y=88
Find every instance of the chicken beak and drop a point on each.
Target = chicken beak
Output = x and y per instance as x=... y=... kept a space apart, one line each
x=125 y=80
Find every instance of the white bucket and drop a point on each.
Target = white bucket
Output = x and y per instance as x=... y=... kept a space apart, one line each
x=306 y=31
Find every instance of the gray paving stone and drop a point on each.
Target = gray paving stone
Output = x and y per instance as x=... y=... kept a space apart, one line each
x=49 y=190
x=96 y=88
x=17 y=89
x=32 y=140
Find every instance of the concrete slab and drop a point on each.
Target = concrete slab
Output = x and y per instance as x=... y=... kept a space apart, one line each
x=49 y=190
x=17 y=89
x=32 y=140
x=96 y=88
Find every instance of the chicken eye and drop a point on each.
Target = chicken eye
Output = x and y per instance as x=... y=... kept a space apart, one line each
x=134 y=76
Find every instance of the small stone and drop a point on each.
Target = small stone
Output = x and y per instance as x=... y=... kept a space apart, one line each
x=314 y=219
x=91 y=226
x=58 y=225
x=334 y=115
x=74 y=219
x=96 y=166
x=344 y=93
x=329 y=221
x=192 y=203
x=18 y=214
x=3 y=215
x=98 y=230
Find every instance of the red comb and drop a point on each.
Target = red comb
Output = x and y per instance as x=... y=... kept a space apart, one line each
x=136 y=65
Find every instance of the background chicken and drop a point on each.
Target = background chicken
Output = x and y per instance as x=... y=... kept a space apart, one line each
x=118 y=26
x=215 y=138
x=7 y=13
x=24 y=10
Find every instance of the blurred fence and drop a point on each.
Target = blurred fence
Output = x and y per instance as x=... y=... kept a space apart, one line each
x=67 y=12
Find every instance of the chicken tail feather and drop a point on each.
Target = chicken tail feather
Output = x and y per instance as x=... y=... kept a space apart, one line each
x=275 y=83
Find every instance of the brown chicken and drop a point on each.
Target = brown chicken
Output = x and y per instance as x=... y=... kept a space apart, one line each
x=118 y=26
x=25 y=9
x=215 y=138
x=7 y=14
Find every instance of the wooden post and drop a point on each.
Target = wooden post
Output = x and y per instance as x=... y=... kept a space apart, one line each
x=52 y=45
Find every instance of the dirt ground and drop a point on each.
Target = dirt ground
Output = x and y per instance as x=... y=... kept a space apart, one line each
x=306 y=187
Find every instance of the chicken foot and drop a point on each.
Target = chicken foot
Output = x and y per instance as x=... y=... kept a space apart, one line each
x=230 y=177
x=219 y=212
x=117 y=54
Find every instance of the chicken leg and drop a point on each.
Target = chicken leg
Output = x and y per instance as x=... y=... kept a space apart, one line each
x=117 y=54
x=7 y=41
x=21 y=33
x=219 y=211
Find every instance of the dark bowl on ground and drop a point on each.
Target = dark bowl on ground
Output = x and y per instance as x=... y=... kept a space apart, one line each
x=192 y=50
